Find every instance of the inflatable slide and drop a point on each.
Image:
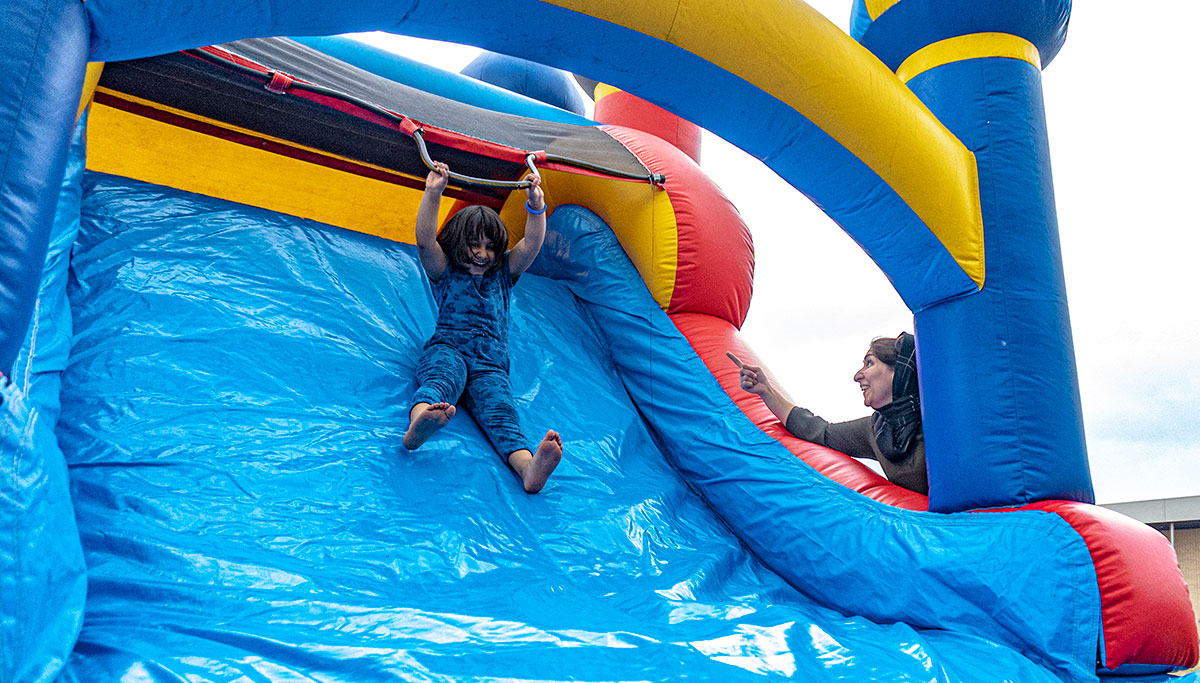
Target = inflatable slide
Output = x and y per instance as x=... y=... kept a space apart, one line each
x=213 y=308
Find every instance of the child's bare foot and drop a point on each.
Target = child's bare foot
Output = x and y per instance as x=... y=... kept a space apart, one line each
x=428 y=418
x=541 y=466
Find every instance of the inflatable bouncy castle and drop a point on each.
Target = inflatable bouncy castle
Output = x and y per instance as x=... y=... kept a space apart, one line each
x=212 y=309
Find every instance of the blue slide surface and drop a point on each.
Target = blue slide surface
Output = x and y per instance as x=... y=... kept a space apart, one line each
x=232 y=417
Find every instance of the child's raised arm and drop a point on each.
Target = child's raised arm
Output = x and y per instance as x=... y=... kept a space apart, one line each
x=521 y=256
x=432 y=256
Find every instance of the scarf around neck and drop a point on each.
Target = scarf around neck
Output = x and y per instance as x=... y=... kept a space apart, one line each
x=897 y=424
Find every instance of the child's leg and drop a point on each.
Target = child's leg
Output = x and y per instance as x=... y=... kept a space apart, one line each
x=489 y=398
x=442 y=374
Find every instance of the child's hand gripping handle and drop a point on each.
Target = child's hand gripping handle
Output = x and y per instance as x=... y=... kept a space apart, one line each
x=438 y=177
x=536 y=203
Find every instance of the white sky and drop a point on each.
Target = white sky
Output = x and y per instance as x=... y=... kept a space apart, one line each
x=1120 y=108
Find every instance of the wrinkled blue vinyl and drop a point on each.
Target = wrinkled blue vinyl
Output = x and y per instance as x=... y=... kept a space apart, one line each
x=43 y=580
x=232 y=418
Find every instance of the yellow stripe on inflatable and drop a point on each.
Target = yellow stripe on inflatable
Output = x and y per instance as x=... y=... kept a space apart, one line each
x=877 y=7
x=90 y=79
x=974 y=46
x=137 y=147
x=792 y=52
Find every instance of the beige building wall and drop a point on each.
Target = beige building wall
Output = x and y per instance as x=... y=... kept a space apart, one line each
x=1187 y=547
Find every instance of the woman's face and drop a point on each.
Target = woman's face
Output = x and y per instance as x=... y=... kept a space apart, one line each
x=875 y=380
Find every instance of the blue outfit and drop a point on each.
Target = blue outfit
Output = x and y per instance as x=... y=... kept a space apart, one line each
x=468 y=353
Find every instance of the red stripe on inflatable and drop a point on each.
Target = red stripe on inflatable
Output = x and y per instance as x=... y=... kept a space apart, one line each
x=577 y=170
x=711 y=337
x=466 y=143
x=229 y=56
x=325 y=100
x=1145 y=610
x=715 y=259
x=623 y=109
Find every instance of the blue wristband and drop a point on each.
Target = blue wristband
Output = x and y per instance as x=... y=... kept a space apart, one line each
x=531 y=210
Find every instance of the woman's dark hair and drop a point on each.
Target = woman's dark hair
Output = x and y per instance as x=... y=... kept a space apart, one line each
x=886 y=349
x=473 y=223
x=900 y=350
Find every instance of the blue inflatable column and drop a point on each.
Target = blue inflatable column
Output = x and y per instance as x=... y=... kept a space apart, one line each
x=537 y=81
x=1003 y=424
x=42 y=67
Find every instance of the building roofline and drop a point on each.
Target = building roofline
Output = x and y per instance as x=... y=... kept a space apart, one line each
x=1160 y=510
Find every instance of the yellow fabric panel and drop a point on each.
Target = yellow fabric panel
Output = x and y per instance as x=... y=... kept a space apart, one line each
x=90 y=79
x=640 y=215
x=792 y=52
x=974 y=46
x=878 y=7
x=136 y=147
x=125 y=144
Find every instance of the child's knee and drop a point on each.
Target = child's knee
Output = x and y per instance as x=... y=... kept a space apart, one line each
x=441 y=375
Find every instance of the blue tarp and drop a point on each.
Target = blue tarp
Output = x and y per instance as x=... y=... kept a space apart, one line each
x=232 y=420
x=43 y=579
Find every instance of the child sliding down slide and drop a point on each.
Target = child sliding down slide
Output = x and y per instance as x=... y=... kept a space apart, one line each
x=473 y=272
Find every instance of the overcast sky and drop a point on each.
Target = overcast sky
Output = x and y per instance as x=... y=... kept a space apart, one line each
x=1123 y=139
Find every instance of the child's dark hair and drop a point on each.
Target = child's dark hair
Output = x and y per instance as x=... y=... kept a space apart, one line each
x=468 y=225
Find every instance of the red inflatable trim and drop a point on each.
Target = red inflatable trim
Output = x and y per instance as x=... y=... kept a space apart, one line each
x=715 y=259
x=622 y=109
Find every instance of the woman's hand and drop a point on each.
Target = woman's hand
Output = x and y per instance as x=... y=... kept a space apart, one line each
x=753 y=378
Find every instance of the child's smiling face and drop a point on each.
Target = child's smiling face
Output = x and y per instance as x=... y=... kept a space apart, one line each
x=482 y=254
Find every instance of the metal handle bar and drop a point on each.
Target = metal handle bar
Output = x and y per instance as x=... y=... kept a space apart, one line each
x=471 y=180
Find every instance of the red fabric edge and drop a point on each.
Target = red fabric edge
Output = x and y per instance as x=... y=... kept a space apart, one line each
x=715 y=256
x=624 y=109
